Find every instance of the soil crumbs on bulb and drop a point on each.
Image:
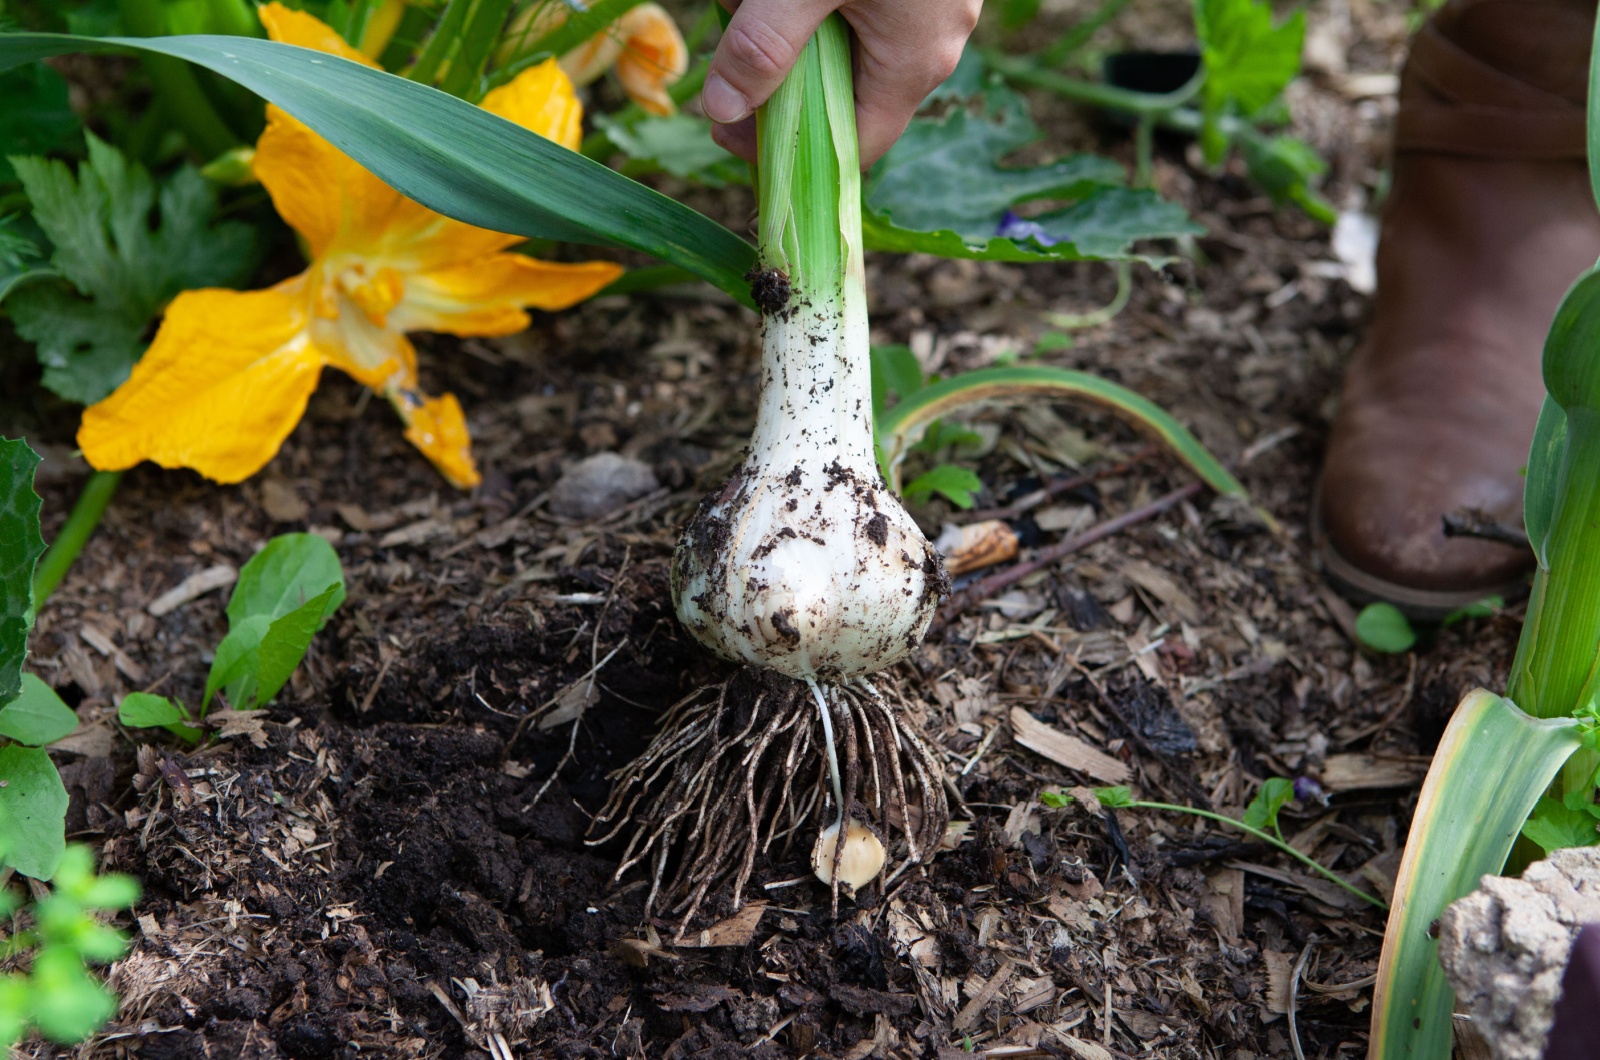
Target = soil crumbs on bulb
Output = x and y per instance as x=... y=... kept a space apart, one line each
x=369 y=874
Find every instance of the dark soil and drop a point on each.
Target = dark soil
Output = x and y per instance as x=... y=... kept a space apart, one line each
x=371 y=872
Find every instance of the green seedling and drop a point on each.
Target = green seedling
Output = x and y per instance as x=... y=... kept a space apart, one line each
x=1232 y=104
x=59 y=937
x=1381 y=627
x=284 y=595
x=1262 y=813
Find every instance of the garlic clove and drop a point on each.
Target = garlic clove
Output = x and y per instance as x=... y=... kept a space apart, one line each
x=862 y=860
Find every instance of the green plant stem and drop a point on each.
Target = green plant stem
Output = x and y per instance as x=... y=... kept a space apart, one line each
x=1558 y=669
x=1106 y=313
x=97 y=493
x=1265 y=837
x=182 y=98
x=1029 y=72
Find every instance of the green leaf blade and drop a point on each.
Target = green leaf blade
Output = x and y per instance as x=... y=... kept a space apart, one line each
x=445 y=153
x=33 y=809
x=21 y=545
x=286 y=642
x=37 y=716
x=1383 y=628
x=1490 y=769
x=290 y=570
x=1546 y=458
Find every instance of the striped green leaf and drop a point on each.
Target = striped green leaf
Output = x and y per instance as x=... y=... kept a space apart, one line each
x=900 y=427
x=1489 y=771
x=443 y=152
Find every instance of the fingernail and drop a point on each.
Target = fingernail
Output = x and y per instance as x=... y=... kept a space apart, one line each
x=723 y=103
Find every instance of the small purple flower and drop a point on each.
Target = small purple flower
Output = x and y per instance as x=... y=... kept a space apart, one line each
x=1013 y=227
x=1306 y=789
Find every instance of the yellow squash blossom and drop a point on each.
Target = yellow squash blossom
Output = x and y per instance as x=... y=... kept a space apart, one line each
x=644 y=46
x=229 y=373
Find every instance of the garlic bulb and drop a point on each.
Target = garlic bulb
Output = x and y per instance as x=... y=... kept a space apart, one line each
x=804 y=562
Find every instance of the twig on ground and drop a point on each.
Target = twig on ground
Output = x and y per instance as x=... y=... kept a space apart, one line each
x=1055 y=488
x=987 y=587
x=1294 y=997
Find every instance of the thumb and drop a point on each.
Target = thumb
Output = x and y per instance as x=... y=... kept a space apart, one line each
x=759 y=47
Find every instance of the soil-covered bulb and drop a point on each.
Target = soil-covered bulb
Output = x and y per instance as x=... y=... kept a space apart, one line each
x=804 y=562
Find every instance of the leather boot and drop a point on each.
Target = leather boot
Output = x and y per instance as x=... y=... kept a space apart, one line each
x=1489 y=220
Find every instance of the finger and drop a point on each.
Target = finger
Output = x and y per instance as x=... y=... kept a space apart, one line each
x=739 y=138
x=903 y=52
x=758 y=48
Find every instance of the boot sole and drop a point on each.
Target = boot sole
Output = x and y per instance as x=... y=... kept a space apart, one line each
x=1357 y=585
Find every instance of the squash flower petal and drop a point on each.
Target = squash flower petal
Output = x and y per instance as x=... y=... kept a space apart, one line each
x=654 y=57
x=230 y=373
x=644 y=46
x=225 y=381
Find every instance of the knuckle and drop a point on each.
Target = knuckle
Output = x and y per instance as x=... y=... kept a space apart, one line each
x=756 y=49
x=944 y=62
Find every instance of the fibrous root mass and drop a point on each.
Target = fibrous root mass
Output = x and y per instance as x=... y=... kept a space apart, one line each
x=738 y=772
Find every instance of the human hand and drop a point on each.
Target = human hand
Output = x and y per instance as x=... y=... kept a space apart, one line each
x=903 y=50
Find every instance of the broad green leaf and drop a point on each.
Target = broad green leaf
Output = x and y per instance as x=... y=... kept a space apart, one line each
x=445 y=153
x=286 y=641
x=1288 y=170
x=20 y=548
x=37 y=716
x=86 y=351
x=69 y=1004
x=1273 y=796
x=1490 y=769
x=37 y=117
x=124 y=270
x=901 y=426
x=955 y=484
x=35 y=805
x=260 y=652
x=1248 y=61
x=680 y=145
x=290 y=570
x=944 y=174
x=1545 y=460
x=1554 y=825
x=1383 y=628
x=895 y=370
x=142 y=710
x=237 y=662
x=1110 y=220
x=1114 y=798
x=23 y=258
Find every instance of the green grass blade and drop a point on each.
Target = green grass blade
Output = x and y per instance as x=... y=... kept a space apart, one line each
x=1545 y=460
x=1488 y=772
x=445 y=153
x=901 y=427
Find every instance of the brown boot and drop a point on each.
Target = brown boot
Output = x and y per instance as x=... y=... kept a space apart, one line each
x=1489 y=221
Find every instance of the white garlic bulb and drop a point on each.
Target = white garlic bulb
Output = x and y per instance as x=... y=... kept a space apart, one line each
x=804 y=562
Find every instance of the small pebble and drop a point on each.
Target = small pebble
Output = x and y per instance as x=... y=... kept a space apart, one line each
x=600 y=484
